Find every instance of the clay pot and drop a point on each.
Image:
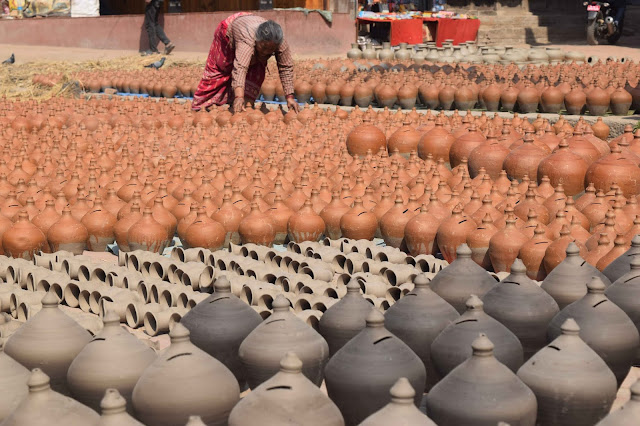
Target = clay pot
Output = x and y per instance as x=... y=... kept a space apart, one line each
x=532 y=254
x=621 y=265
x=43 y=406
x=51 y=340
x=478 y=242
x=256 y=228
x=219 y=324
x=453 y=232
x=575 y=101
x=68 y=234
x=628 y=412
x=490 y=156
x=205 y=232
x=261 y=351
x=524 y=160
x=365 y=137
x=113 y=359
x=436 y=142
x=528 y=99
x=417 y=319
x=598 y=101
x=230 y=217
x=295 y=398
x=474 y=384
x=451 y=348
x=566 y=168
x=457 y=282
x=23 y=239
x=332 y=215
x=147 y=234
x=464 y=145
x=184 y=375
x=405 y=140
x=305 y=225
x=551 y=373
x=596 y=314
x=358 y=223
x=551 y=100
x=370 y=364
x=615 y=168
x=13 y=383
x=420 y=233
x=393 y=223
x=114 y=410
x=566 y=283
x=345 y=319
x=523 y=307
x=400 y=409
x=621 y=101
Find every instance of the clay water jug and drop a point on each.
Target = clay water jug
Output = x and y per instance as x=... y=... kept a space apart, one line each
x=13 y=383
x=523 y=307
x=598 y=318
x=44 y=406
x=369 y=364
x=184 y=381
x=458 y=281
x=113 y=359
x=452 y=346
x=285 y=396
x=417 y=319
x=551 y=373
x=466 y=395
x=400 y=410
x=345 y=319
x=219 y=324
x=567 y=282
x=49 y=340
x=261 y=351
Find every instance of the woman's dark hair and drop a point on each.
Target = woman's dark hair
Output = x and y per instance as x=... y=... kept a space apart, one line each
x=270 y=31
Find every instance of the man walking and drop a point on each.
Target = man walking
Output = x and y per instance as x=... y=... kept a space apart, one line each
x=154 y=30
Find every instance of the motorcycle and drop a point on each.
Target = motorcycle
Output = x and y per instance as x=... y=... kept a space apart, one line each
x=601 y=23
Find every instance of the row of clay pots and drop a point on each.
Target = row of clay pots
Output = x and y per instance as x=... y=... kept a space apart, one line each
x=352 y=360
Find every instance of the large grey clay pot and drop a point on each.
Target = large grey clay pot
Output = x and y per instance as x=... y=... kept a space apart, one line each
x=604 y=327
x=481 y=392
x=345 y=319
x=219 y=324
x=453 y=346
x=620 y=266
x=629 y=413
x=417 y=319
x=523 y=307
x=461 y=279
x=282 y=332
x=287 y=396
x=400 y=410
x=567 y=282
x=625 y=293
x=573 y=385
x=13 y=383
x=358 y=377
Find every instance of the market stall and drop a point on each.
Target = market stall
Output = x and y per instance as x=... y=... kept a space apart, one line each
x=419 y=27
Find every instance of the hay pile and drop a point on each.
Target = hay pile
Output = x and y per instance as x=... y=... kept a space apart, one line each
x=17 y=81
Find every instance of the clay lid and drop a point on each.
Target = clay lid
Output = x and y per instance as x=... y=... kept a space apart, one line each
x=482 y=346
x=375 y=318
x=113 y=402
x=474 y=303
x=402 y=392
x=195 y=421
x=281 y=304
x=179 y=333
x=463 y=250
x=50 y=300
x=572 y=249
x=570 y=327
x=518 y=267
x=290 y=363
x=595 y=286
x=111 y=319
x=353 y=286
x=222 y=285
x=38 y=381
x=421 y=281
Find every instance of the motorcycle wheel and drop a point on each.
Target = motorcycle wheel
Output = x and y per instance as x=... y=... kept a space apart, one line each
x=592 y=39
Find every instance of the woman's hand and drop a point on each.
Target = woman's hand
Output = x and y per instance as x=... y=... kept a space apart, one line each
x=238 y=105
x=292 y=104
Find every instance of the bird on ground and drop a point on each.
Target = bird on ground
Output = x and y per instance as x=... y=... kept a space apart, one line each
x=157 y=64
x=9 y=61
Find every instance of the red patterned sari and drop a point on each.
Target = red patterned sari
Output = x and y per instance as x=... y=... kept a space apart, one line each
x=215 y=86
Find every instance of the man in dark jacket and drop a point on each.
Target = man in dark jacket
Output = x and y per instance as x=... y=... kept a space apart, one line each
x=154 y=30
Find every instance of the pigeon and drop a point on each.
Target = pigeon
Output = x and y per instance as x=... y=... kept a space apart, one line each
x=157 y=64
x=9 y=61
